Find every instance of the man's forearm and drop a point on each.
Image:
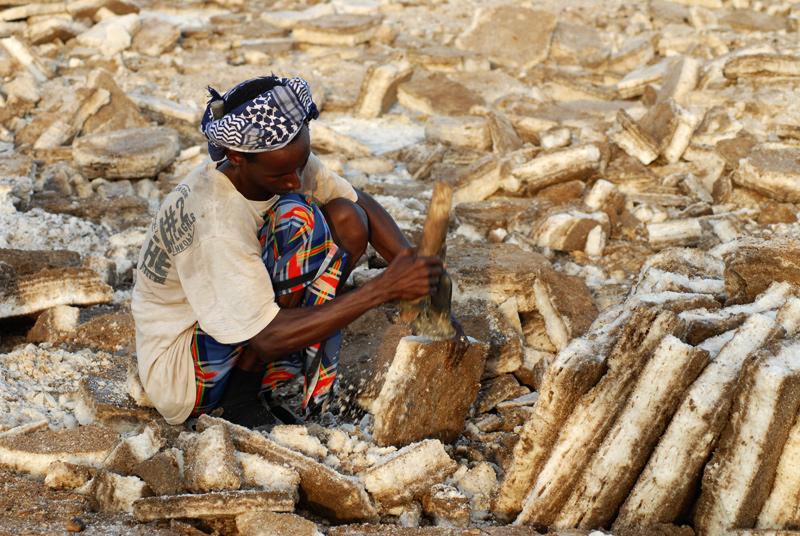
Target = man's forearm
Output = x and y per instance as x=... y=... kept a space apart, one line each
x=385 y=236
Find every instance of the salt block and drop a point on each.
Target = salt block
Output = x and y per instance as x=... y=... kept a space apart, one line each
x=220 y=504
x=495 y=272
x=297 y=438
x=566 y=304
x=112 y=35
x=754 y=264
x=110 y=492
x=576 y=44
x=132 y=451
x=343 y=30
x=750 y=20
x=126 y=154
x=561 y=165
x=408 y=473
x=780 y=509
x=575 y=370
x=23 y=53
x=163 y=472
x=497 y=390
x=679 y=80
x=675 y=233
x=33 y=453
x=379 y=88
x=523 y=43
x=274 y=524
x=594 y=414
x=737 y=480
x=508 y=213
x=615 y=466
x=49 y=288
x=48 y=30
x=106 y=401
x=290 y=18
x=165 y=110
x=447 y=506
x=437 y=95
x=333 y=495
x=261 y=473
x=635 y=52
x=331 y=141
x=448 y=59
x=30 y=10
x=777 y=213
x=87 y=9
x=504 y=137
x=465 y=132
x=120 y=114
x=573 y=230
x=634 y=83
x=771 y=169
x=421 y=398
x=671 y=126
x=633 y=139
x=477 y=181
x=211 y=462
x=155 y=37
x=54 y=324
x=63 y=475
x=484 y=321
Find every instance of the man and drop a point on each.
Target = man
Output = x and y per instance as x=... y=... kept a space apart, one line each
x=238 y=274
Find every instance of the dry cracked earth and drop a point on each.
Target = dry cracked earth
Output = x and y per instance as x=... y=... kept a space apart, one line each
x=623 y=244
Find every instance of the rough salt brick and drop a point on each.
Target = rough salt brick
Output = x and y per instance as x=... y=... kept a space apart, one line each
x=566 y=304
x=495 y=272
x=508 y=213
x=498 y=390
x=155 y=37
x=562 y=165
x=594 y=415
x=131 y=451
x=754 y=264
x=164 y=110
x=337 y=30
x=479 y=485
x=576 y=44
x=408 y=473
x=774 y=212
x=737 y=480
x=54 y=325
x=447 y=506
x=326 y=491
x=671 y=127
x=780 y=509
x=297 y=438
x=262 y=473
x=465 y=132
x=771 y=169
x=573 y=230
x=448 y=60
x=106 y=401
x=484 y=321
x=574 y=371
x=633 y=139
x=63 y=475
x=524 y=42
x=27 y=57
x=48 y=30
x=274 y=524
x=635 y=82
x=664 y=489
x=50 y=288
x=615 y=466
x=221 y=504
x=422 y=397
x=33 y=453
x=437 y=95
x=680 y=79
x=110 y=492
x=761 y=65
x=163 y=472
x=504 y=137
x=126 y=154
x=330 y=141
x=87 y=9
x=676 y=233
x=211 y=462
x=379 y=88
x=120 y=114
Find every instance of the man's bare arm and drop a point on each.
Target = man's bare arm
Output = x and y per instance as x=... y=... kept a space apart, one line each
x=408 y=277
x=384 y=234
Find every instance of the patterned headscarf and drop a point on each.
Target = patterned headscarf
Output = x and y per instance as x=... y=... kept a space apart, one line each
x=266 y=123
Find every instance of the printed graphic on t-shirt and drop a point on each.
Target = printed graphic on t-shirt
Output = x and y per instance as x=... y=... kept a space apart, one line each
x=171 y=233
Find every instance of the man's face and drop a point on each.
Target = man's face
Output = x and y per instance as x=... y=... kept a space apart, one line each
x=274 y=172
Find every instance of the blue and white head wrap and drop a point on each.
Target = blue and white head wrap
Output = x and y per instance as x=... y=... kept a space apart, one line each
x=266 y=123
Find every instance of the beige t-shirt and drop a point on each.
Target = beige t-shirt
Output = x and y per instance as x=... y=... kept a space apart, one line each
x=201 y=262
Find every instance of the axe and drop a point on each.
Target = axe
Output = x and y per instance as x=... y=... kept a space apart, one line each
x=429 y=316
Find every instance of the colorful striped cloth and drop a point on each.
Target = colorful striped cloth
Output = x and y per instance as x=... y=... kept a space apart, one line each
x=300 y=256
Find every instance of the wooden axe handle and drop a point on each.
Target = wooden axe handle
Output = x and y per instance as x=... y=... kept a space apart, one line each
x=435 y=229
